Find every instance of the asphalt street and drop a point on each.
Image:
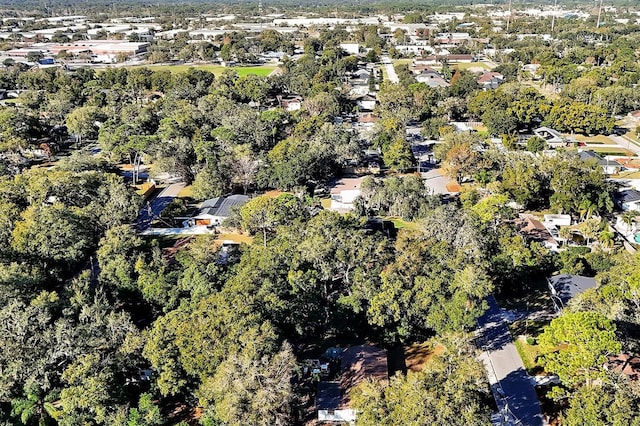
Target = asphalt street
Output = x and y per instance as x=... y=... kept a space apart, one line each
x=391 y=72
x=512 y=387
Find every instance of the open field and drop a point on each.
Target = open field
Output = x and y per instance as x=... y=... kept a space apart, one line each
x=261 y=70
x=466 y=66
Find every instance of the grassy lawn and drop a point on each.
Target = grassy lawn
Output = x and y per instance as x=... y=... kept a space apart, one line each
x=628 y=175
x=326 y=203
x=528 y=353
x=466 y=66
x=261 y=70
x=402 y=224
x=385 y=76
x=611 y=151
x=237 y=238
x=186 y=192
x=597 y=139
x=631 y=134
x=402 y=61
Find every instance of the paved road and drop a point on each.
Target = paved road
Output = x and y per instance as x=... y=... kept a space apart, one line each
x=391 y=72
x=626 y=143
x=510 y=383
x=155 y=206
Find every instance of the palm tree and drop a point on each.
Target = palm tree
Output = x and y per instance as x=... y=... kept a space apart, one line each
x=36 y=406
x=628 y=218
x=590 y=229
x=586 y=208
x=565 y=233
x=606 y=238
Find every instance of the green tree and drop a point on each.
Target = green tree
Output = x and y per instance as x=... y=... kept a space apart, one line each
x=628 y=218
x=431 y=285
x=450 y=389
x=36 y=406
x=146 y=413
x=576 y=346
x=54 y=235
x=604 y=404
x=536 y=144
x=245 y=390
x=117 y=253
x=84 y=122
x=398 y=155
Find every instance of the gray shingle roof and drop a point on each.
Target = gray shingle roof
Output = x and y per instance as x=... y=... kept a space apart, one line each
x=590 y=155
x=629 y=196
x=222 y=206
x=569 y=286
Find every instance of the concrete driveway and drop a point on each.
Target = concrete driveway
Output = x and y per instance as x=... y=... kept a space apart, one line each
x=436 y=181
x=512 y=386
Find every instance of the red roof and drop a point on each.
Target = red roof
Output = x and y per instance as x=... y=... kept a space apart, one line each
x=625 y=364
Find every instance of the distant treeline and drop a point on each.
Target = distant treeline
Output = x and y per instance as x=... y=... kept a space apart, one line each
x=161 y=7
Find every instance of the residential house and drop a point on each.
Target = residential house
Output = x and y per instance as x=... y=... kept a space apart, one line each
x=343 y=194
x=610 y=167
x=532 y=229
x=490 y=80
x=366 y=102
x=431 y=77
x=350 y=48
x=629 y=199
x=214 y=211
x=452 y=38
x=366 y=120
x=565 y=287
x=556 y=220
x=290 y=102
x=357 y=363
x=553 y=138
x=532 y=69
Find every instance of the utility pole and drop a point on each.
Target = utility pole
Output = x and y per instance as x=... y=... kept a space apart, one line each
x=599 y=14
x=509 y=16
x=553 y=17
